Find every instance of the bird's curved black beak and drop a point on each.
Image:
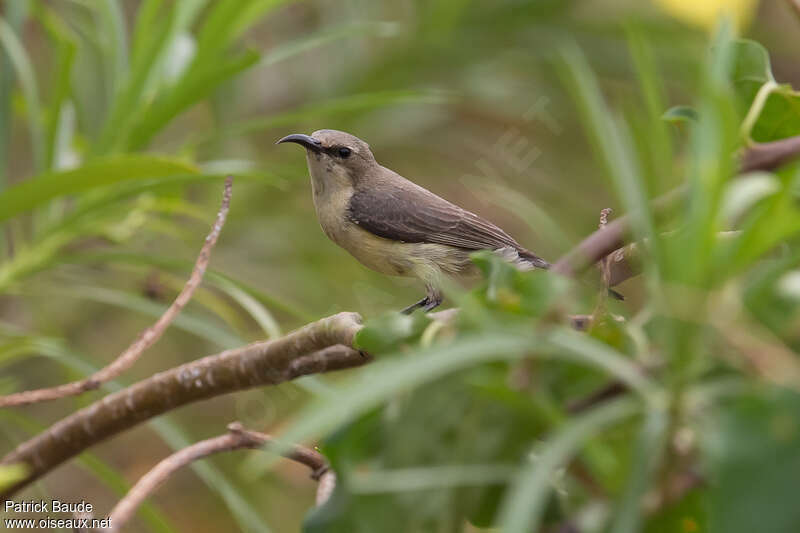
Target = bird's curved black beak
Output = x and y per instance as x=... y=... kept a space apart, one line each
x=306 y=141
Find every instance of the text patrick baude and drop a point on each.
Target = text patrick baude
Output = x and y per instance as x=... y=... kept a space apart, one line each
x=80 y=520
x=48 y=506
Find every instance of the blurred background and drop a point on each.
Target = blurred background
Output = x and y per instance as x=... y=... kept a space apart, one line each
x=461 y=97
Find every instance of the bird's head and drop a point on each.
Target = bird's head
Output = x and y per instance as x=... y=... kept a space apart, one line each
x=334 y=156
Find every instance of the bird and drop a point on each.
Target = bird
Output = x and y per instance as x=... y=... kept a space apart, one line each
x=391 y=224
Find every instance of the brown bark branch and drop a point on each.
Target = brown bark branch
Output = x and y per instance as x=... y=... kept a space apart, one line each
x=237 y=438
x=626 y=262
x=610 y=237
x=321 y=346
x=762 y=156
x=771 y=155
x=147 y=338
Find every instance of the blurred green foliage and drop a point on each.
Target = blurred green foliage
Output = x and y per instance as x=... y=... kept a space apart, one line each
x=118 y=119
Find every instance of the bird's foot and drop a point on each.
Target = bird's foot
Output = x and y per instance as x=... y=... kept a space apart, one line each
x=413 y=307
x=430 y=302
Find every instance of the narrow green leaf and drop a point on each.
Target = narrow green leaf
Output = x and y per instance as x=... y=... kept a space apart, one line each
x=153 y=37
x=146 y=18
x=376 y=383
x=524 y=503
x=35 y=192
x=390 y=376
x=15 y=13
x=185 y=266
x=679 y=114
x=60 y=86
x=258 y=312
x=358 y=29
x=596 y=353
x=658 y=151
x=432 y=477
x=25 y=73
x=226 y=22
x=612 y=146
x=329 y=107
x=186 y=321
x=192 y=88
x=10 y=474
x=128 y=99
x=648 y=454
x=112 y=21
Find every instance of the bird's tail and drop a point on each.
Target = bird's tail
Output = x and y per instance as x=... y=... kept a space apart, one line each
x=528 y=260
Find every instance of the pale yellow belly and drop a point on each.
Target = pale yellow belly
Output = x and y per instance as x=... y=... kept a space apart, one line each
x=421 y=260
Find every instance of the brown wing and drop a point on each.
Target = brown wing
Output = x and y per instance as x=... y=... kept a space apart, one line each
x=403 y=211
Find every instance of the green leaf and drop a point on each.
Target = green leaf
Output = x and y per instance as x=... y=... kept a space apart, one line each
x=657 y=153
x=35 y=192
x=129 y=98
x=443 y=453
x=390 y=331
x=780 y=117
x=61 y=85
x=115 y=49
x=25 y=73
x=612 y=144
x=773 y=110
x=597 y=354
x=774 y=220
x=226 y=22
x=15 y=13
x=330 y=107
x=523 y=506
x=190 y=89
x=154 y=34
x=649 y=450
x=359 y=29
x=10 y=474
x=527 y=294
x=753 y=451
x=391 y=375
x=750 y=63
x=184 y=267
x=680 y=114
x=688 y=515
x=197 y=325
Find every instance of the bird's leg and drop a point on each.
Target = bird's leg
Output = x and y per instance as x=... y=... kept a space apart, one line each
x=432 y=300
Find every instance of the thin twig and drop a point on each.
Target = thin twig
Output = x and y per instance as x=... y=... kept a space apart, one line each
x=604 y=262
x=237 y=438
x=321 y=346
x=147 y=338
x=327 y=483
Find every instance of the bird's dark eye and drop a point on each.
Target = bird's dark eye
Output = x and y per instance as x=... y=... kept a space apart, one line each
x=344 y=152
